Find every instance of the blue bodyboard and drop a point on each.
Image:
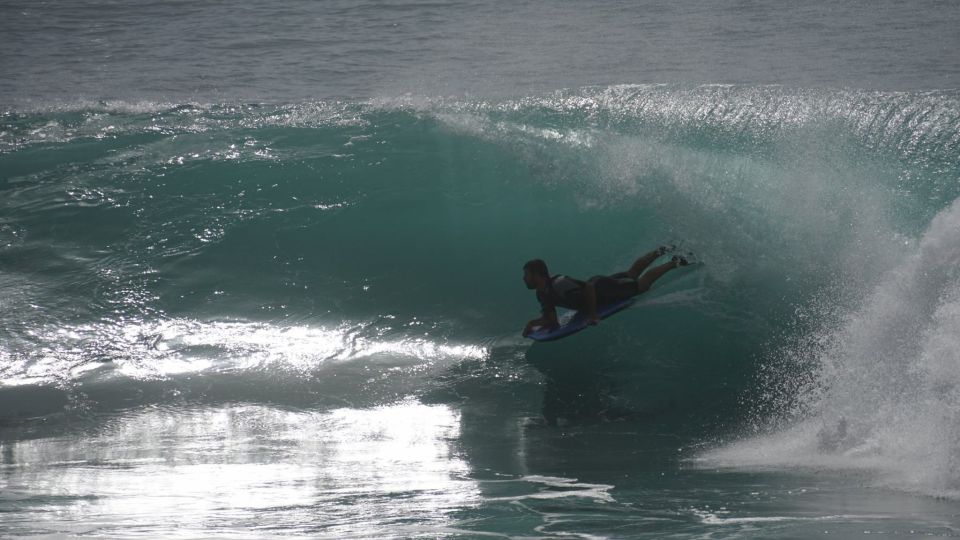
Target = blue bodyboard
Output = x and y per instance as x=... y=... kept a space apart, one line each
x=578 y=322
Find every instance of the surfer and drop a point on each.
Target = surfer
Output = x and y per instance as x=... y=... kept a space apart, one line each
x=567 y=292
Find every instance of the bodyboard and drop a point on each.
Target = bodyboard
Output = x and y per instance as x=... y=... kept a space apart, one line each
x=578 y=321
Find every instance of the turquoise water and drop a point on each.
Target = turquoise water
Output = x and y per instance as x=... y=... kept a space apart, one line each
x=240 y=297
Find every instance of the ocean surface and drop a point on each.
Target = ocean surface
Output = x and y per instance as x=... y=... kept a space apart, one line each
x=260 y=269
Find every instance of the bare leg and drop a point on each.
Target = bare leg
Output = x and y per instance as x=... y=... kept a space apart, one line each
x=643 y=283
x=646 y=280
x=643 y=262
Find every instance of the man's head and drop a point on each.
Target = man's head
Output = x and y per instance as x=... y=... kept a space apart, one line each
x=535 y=274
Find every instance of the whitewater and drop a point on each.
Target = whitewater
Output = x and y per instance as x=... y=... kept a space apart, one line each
x=269 y=284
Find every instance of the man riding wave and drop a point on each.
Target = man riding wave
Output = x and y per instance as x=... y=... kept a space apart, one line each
x=571 y=293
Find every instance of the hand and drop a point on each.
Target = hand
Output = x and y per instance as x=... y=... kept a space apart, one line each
x=593 y=321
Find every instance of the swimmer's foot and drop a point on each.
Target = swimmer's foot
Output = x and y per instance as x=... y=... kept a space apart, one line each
x=680 y=260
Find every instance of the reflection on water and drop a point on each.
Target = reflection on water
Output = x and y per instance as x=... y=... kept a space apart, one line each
x=408 y=470
x=242 y=470
x=151 y=349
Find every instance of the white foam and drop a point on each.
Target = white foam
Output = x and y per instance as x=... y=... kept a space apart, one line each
x=715 y=518
x=887 y=395
x=554 y=487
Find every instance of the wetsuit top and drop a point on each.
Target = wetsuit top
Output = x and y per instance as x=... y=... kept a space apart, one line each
x=563 y=291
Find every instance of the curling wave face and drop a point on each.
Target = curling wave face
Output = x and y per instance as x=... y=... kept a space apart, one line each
x=156 y=252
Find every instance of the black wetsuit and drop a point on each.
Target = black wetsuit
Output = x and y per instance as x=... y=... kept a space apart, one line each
x=567 y=292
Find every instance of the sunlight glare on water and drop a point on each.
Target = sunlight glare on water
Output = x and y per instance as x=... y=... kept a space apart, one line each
x=142 y=350
x=341 y=473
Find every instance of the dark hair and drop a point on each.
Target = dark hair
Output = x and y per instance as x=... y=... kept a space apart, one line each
x=537 y=266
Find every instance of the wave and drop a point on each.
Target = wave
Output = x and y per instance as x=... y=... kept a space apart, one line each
x=262 y=242
x=883 y=394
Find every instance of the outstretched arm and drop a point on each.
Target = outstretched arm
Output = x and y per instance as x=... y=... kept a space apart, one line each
x=549 y=319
